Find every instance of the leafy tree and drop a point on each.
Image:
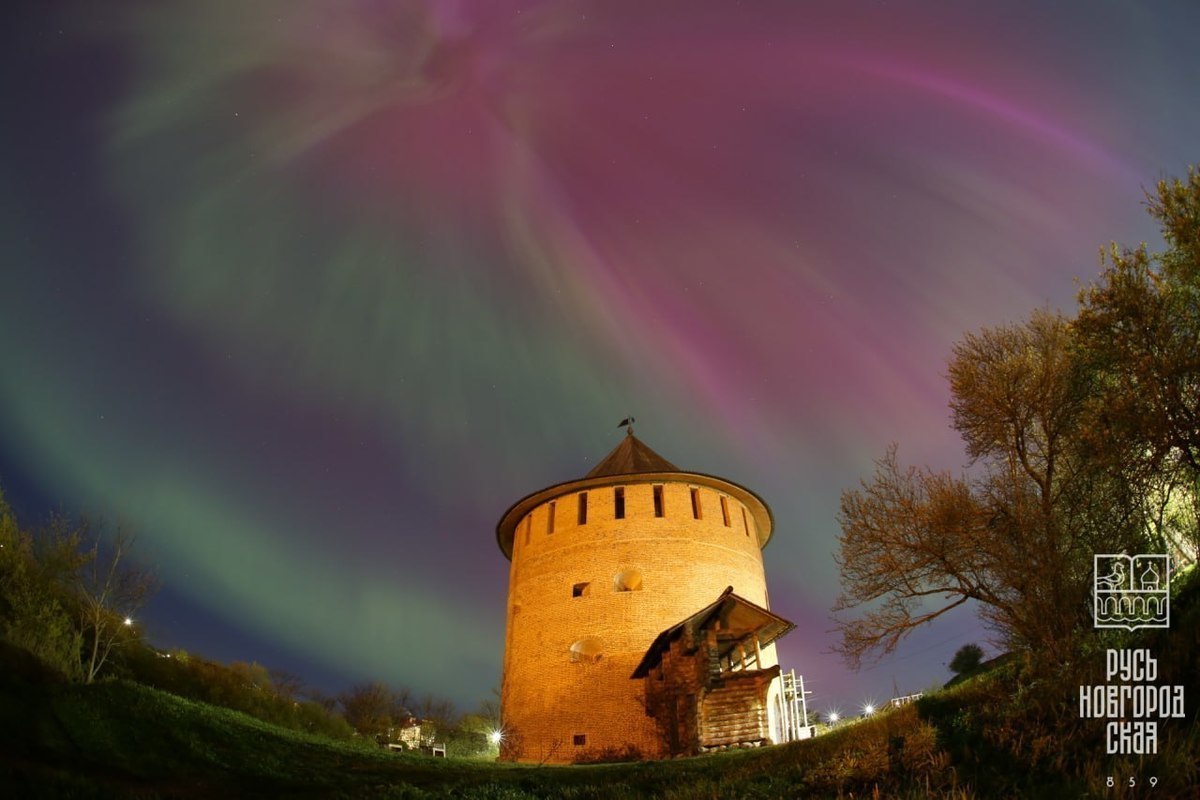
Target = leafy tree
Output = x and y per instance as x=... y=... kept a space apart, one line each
x=63 y=596
x=968 y=657
x=1139 y=332
x=471 y=737
x=1016 y=536
x=1084 y=437
x=248 y=688
x=35 y=610
x=314 y=717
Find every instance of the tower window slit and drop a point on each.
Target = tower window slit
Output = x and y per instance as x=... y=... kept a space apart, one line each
x=550 y=518
x=583 y=508
x=745 y=522
x=725 y=510
x=696 y=504
x=619 y=503
x=658 y=501
x=528 y=525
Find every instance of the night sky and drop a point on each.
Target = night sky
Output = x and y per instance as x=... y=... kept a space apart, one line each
x=307 y=292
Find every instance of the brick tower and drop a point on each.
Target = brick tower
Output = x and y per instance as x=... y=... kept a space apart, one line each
x=638 y=619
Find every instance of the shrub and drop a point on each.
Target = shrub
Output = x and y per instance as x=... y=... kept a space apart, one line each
x=968 y=658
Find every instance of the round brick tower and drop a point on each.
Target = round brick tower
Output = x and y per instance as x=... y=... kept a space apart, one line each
x=600 y=567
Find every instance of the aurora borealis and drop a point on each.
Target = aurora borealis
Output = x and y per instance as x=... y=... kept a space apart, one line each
x=309 y=291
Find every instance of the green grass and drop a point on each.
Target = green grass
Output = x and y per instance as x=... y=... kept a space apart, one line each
x=121 y=739
x=996 y=734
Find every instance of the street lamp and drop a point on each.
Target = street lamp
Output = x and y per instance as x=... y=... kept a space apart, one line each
x=495 y=737
x=128 y=621
x=868 y=709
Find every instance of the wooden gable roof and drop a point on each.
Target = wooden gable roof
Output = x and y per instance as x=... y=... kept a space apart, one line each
x=734 y=617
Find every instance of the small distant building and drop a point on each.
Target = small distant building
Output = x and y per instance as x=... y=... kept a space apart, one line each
x=415 y=733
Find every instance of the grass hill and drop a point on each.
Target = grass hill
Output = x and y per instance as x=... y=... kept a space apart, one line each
x=998 y=734
x=120 y=739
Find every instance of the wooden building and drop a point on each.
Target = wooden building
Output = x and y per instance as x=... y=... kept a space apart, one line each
x=705 y=684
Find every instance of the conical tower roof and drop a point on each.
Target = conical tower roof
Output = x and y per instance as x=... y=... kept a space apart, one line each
x=631 y=456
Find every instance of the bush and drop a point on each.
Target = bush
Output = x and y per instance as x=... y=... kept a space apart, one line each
x=967 y=659
x=239 y=686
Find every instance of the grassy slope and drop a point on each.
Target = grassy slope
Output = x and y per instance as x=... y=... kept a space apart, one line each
x=985 y=737
x=122 y=739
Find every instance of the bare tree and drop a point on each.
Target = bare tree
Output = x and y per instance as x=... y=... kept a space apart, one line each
x=442 y=713
x=902 y=542
x=287 y=685
x=66 y=595
x=370 y=708
x=1017 y=536
x=489 y=709
x=110 y=589
x=548 y=752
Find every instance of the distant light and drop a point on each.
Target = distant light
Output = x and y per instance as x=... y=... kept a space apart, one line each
x=868 y=709
x=833 y=717
x=495 y=737
x=129 y=620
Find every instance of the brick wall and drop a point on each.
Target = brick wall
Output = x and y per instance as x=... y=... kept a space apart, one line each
x=550 y=695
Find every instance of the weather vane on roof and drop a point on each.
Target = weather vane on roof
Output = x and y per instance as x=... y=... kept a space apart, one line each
x=628 y=421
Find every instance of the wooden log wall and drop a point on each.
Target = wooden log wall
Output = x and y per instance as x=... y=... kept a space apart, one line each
x=734 y=711
x=698 y=706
